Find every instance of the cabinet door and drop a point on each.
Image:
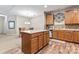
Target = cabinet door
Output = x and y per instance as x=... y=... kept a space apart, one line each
x=72 y=17
x=41 y=41
x=60 y=35
x=75 y=36
x=45 y=38
x=68 y=36
x=77 y=16
x=34 y=45
x=48 y=37
x=78 y=37
x=67 y=18
x=49 y=19
x=54 y=34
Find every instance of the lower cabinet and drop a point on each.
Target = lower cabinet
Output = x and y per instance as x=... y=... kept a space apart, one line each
x=75 y=36
x=40 y=41
x=34 y=45
x=54 y=34
x=47 y=38
x=60 y=34
x=78 y=37
x=68 y=36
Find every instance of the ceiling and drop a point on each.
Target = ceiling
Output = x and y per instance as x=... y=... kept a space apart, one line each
x=21 y=9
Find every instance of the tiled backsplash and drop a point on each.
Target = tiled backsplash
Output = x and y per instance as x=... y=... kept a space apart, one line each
x=72 y=26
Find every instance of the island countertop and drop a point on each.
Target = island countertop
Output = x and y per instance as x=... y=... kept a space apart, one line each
x=33 y=31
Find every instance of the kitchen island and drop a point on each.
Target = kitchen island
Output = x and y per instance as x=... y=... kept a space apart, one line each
x=33 y=41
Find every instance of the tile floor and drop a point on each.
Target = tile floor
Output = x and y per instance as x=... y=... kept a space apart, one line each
x=12 y=45
x=8 y=42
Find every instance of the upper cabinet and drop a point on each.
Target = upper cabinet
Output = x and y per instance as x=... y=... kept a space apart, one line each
x=49 y=19
x=72 y=16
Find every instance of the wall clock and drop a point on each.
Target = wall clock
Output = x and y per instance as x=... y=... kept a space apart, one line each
x=59 y=17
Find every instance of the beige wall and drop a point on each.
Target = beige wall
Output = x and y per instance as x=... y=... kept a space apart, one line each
x=38 y=22
x=11 y=18
x=2 y=24
x=20 y=22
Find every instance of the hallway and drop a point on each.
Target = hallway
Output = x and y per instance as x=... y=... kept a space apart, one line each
x=8 y=42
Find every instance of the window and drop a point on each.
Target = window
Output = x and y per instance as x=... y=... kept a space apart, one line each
x=11 y=24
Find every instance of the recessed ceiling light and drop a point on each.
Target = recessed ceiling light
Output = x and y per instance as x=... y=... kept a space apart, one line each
x=45 y=6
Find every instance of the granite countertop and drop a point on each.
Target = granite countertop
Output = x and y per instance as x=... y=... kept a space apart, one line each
x=33 y=31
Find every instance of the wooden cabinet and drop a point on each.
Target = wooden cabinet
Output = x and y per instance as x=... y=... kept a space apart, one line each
x=68 y=36
x=60 y=34
x=41 y=41
x=34 y=45
x=67 y=17
x=72 y=16
x=54 y=34
x=47 y=34
x=33 y=42
x=49 y=19
x=45 y=38
x=75 y=36
x=78 y=37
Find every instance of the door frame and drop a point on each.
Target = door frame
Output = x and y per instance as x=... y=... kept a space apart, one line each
x=5 y=23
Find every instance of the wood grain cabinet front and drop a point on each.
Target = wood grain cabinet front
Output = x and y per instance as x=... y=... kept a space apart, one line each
x=40 y=42
x=34 y=45
x=54 y=34
x=75 y=36
x=68 y=36
x=45 y=38
x=72 y=16
x=49 y=19
x=60 y=34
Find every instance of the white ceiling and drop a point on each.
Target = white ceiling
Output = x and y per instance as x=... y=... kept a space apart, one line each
x=38 y=9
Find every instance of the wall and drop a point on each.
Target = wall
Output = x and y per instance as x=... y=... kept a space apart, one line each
x=38 y=22
x=11 y=18
x=20 y=22
x=2 y=24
